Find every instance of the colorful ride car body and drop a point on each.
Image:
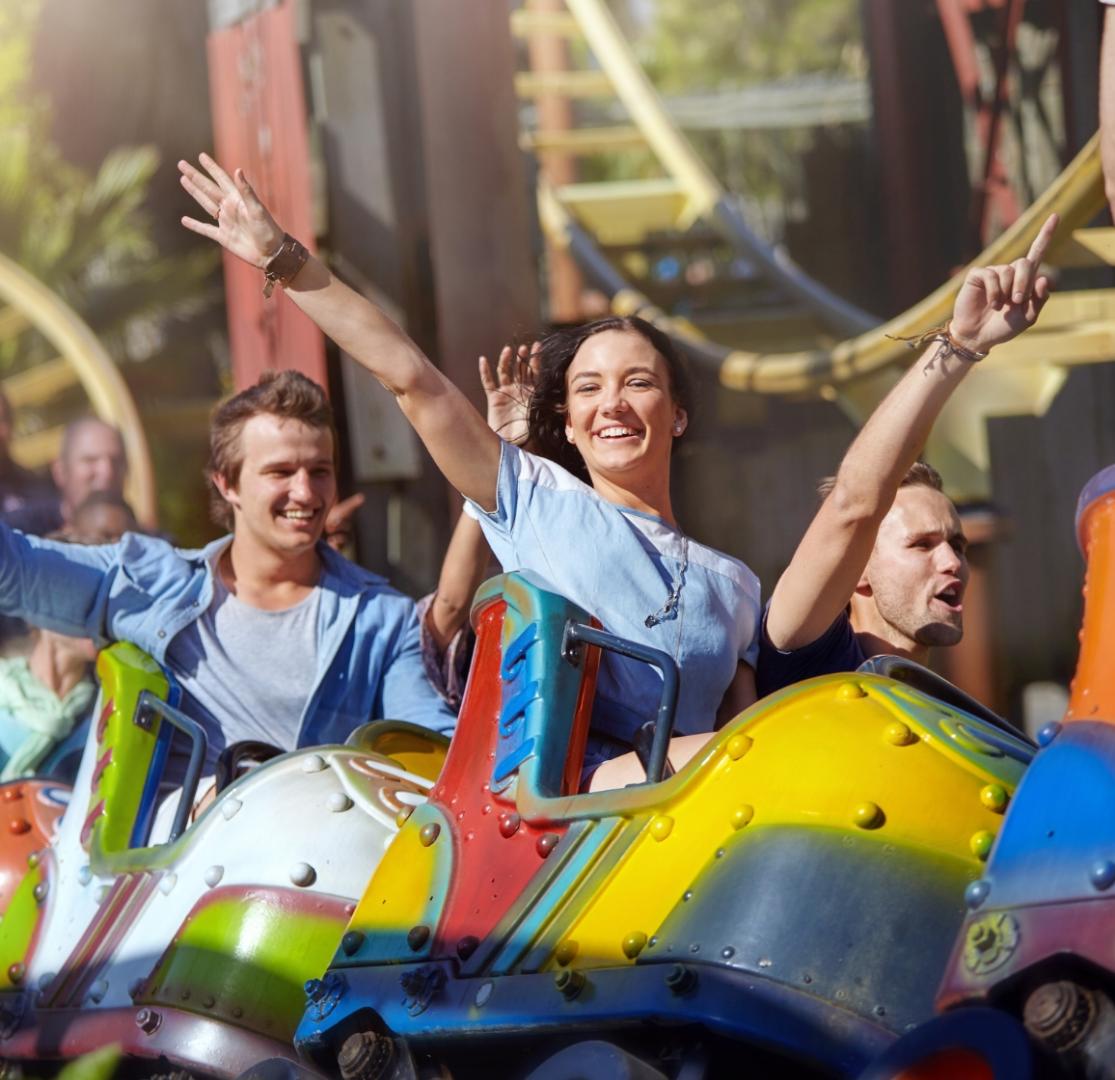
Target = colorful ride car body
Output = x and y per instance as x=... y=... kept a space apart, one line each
x=194 y=952
x=1030 y=984
x=795 y=888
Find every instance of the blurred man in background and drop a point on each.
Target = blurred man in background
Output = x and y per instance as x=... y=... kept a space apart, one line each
x=91 y=459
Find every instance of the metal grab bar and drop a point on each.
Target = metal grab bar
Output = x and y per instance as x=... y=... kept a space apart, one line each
x=147 y=708
x=579 y=634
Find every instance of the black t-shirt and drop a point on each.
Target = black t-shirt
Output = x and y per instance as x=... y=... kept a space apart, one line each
x=837 y=649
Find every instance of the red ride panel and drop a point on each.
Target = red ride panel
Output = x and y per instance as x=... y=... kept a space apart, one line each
x=490 y=869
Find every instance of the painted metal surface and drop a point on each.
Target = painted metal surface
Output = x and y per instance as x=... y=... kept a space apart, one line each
x=197 y=950
x=1042 y=914
x=511 y=903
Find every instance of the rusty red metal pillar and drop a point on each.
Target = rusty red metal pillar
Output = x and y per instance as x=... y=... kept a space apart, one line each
x=994 y=203
x=549 y=54
x=260 y=124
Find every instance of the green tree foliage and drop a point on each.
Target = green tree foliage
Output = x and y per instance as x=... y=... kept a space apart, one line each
x=86 y=237
x=691 y=47
x=728 y=43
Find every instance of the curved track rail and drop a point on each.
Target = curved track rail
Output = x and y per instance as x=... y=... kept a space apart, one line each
x=81 y=358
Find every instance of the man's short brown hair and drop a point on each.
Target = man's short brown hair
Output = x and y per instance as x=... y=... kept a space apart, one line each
x=288 y=395
x=918 y=475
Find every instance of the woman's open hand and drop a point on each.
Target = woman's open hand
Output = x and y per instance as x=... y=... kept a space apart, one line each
x=243 y=225
x=996 y=303
x=509 y=388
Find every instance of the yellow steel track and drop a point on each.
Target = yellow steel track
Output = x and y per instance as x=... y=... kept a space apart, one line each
x=81 y=358
x=1077 y=327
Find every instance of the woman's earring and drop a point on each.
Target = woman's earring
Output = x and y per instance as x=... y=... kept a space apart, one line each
x=677 y=428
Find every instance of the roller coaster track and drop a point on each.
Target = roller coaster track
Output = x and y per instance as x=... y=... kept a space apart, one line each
x=25 y=303
x=1078 y=327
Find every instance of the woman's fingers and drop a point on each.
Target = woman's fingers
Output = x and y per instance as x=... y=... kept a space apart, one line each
x=486 y=378
x=503 y=370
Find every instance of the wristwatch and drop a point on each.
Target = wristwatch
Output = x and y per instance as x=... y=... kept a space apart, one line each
x=282 y=267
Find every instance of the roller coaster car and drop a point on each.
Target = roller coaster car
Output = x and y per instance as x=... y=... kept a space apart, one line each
x=1030 y=985
x=191 y=954
x=784 y=903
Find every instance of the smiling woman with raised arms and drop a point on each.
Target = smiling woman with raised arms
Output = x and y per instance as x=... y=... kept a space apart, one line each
x=593 y=517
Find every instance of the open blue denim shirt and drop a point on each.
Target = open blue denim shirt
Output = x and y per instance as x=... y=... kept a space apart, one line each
x=145 y=591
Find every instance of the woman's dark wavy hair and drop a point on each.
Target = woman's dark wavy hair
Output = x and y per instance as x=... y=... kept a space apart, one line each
x=548 y=403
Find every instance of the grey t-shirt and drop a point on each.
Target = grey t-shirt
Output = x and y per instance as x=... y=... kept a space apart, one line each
x=246 y=673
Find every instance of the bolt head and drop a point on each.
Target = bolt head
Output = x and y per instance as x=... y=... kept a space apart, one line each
x=994 y=797
x=1103 y=874
x=868 y=815
x=417 y=937
x=148 y=1020
x=546 y=843
x=429 y=833
x=634 y=943
x=351 y=942
x=680 y=979
x=1049 y=733
x=569 y=982
x=976 y=893
x=980 y=844
x=738 y=745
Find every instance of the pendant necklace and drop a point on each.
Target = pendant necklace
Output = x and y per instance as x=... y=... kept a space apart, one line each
x=667 y=610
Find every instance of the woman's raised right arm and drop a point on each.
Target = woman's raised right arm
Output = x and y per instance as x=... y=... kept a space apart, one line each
x=456 y=435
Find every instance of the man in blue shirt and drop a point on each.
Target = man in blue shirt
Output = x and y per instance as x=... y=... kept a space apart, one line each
x=269 y=632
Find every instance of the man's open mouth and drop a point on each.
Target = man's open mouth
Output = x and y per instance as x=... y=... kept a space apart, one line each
x=952 y=596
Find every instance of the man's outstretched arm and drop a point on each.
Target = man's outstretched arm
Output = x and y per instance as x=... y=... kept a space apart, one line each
x=994 y=304
x=58 y=586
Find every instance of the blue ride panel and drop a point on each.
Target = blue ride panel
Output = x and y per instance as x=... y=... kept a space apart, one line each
x=1060 y=831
